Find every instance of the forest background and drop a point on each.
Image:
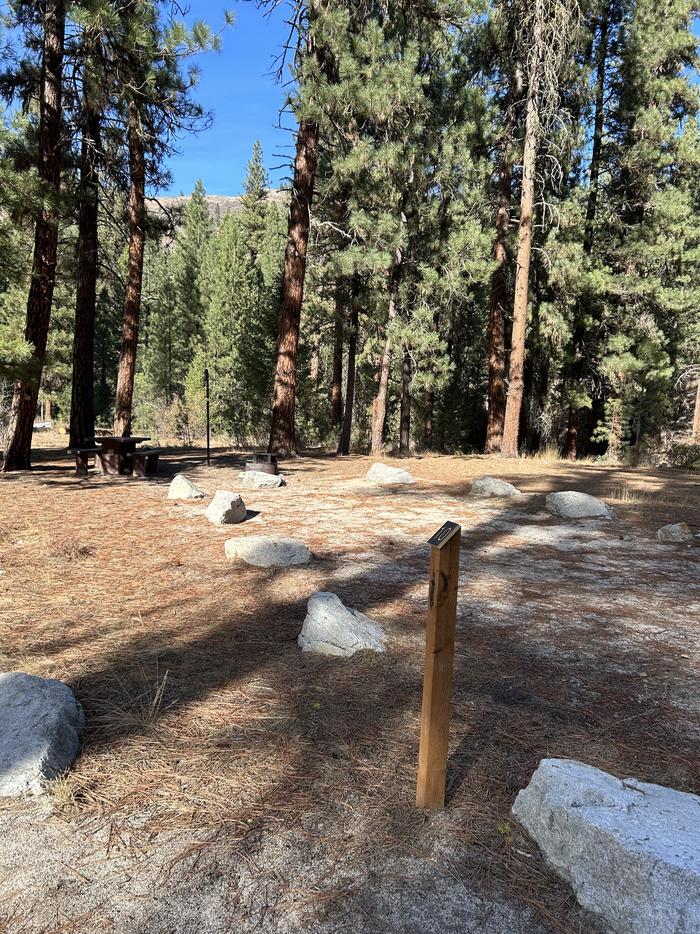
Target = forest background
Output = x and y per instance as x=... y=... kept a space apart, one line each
x=489 y=239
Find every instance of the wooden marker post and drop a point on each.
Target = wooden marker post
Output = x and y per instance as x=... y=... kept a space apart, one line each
x=439 y=661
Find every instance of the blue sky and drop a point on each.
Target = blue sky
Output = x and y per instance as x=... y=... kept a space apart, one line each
x=244 y=99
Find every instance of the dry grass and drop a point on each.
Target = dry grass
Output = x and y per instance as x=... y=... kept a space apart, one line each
x=135 y=705
x=551 y=454
x=626 y=494
x=648 y=496
x=202 y=712
x=62 y=795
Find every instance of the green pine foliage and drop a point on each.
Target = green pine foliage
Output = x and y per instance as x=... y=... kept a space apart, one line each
x=411 y=103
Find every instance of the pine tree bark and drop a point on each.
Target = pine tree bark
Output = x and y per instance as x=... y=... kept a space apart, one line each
x=315 y=363
x=571 y=442
x=571 y=434
x=429 y=417
x=337 y=379
x=497 y=326
x=499 y=279
x=346 y=432
x=430 y=397
x=695 y=434
x=509 y=446
x=405 y=415
x=132 y=295
x=82 y=410
x=615 y=431
x=380 y=399
x=26 y=391
x=282 y=439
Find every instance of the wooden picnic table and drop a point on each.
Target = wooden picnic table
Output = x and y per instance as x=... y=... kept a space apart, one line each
x=115 y=453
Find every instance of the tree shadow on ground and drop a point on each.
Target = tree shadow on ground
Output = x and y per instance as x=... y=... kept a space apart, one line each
x=352 y=724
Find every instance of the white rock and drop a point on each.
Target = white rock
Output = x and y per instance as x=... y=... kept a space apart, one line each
x=571 y=504
x=675 y=532
x=333 y=629
x=386 y=476
x=491 y=486
x=40 y=720
x=263 y=551
x=630 y=850
x=181 y=487
x=259 y=480
x=226 y=508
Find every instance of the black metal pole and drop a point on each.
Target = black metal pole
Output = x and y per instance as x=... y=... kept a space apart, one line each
x=206 y=386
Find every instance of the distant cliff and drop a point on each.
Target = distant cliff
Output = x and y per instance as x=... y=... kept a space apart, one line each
x=218 y=205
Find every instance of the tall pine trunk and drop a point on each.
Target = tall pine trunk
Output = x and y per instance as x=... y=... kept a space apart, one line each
x=615 y=430
x=695 y=432
x=429 y=417
x=509 y=446
x=26 y=391
x=82 y=408
x=379 y=401
x=380 y=398
x=132 y=295
x=337 y=379
x=497 y=326
x=499 y=278
x=571 y=434
x=282 y=440
x=571 y=442
x=345 y=434
x=405 y=414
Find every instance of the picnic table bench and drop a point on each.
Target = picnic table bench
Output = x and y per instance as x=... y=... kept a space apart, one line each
x=81 y=459
x=115 y=455
x=144 y=461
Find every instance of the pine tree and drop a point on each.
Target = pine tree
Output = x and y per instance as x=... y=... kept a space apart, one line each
x=93 y=75
x=547 y=30
x=603 y=37
x=645 y=236
x=510 y=74
x=190 y=243
x=254 y=200
x=50 y=151
x=156 y=104
x=132 y=294
x=315 y=71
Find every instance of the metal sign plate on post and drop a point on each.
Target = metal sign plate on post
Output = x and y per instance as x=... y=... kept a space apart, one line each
x=444 y=534
x=439 y=663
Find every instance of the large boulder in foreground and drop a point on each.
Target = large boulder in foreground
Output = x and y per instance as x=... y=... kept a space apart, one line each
x=40 y=721
x=330 y=628
x=388 y=476
x=630 y=850
x=259 y=480
x=492 y=486
x=264 y=551
x=570 y=504
x=181 y=487
x=226 y=508
x=675 y=532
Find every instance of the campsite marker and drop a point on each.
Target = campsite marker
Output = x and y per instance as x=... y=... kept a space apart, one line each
x=439 y=661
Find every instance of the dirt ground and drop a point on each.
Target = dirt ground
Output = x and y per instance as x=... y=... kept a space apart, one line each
x=228 y=783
